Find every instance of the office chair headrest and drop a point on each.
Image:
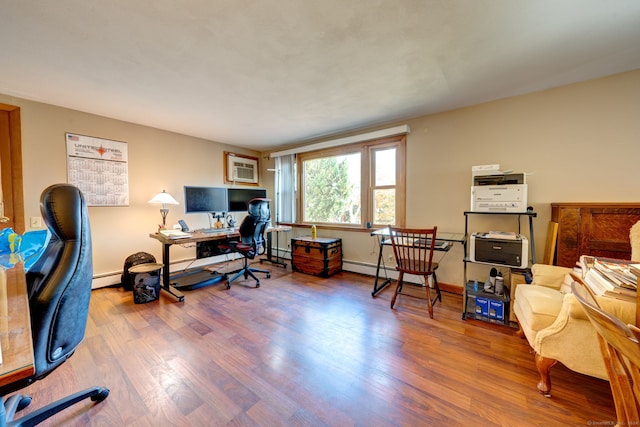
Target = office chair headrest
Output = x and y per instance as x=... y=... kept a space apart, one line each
x=259 y=208
x=61 y=206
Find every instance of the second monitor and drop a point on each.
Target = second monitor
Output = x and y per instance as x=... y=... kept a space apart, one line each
x=219 y=199
x=239 y=198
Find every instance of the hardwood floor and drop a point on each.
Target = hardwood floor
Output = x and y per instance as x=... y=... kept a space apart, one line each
x=306 y=351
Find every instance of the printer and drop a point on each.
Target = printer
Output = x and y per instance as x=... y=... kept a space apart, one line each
x=498 y=192
x=491 y=248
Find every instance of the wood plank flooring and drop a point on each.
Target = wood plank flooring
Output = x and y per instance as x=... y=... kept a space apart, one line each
x=306 y=351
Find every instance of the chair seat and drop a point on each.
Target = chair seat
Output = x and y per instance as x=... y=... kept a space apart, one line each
x=537 y=306
x=421 y=269
x=243 y=247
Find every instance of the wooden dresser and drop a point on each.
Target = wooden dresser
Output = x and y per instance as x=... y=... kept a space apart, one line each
x=598 y=229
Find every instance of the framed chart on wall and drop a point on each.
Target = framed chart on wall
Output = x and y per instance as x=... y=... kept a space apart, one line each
x=99 y=168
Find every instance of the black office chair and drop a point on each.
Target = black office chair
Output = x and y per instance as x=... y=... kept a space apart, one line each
x=59 y=288
x=252 y=241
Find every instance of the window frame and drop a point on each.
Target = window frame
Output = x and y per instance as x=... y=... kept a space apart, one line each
x=367 y=151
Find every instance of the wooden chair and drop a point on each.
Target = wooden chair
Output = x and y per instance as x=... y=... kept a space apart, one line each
x=620 y=346
x=413 y=250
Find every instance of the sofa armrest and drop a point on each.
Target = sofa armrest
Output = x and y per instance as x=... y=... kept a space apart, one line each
x=551 y=276
x=572 y=340
x=575 y=309
x=623 y=310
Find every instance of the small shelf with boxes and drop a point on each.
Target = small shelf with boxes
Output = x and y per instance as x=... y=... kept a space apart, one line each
x=506 y=251
x=488 y=301
x=496 y=196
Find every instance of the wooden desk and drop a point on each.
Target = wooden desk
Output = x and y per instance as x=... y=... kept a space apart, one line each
x=15 y=327
x=195 y=237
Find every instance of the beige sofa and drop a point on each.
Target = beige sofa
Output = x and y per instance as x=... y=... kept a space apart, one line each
x=556 y=326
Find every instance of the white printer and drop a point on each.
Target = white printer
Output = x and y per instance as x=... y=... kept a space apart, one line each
x=494 y=191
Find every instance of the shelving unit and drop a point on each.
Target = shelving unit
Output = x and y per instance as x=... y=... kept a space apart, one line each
x=504 y=299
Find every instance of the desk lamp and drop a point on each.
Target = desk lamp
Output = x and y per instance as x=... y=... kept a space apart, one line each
x=164 y=199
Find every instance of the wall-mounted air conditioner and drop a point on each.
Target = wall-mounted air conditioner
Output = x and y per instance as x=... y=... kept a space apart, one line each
x=242 y=169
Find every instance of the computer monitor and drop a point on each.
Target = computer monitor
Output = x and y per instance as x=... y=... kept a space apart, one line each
x=205 y=199
x=239 y=198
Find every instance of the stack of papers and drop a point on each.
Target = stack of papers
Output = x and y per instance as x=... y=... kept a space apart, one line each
x=507 y=235
x=174 y=234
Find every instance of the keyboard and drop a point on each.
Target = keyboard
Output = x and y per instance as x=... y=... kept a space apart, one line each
x=212 y=230
x=427 y=242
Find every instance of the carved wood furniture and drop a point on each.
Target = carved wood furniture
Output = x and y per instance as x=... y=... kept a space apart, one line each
x=596 y=229
x=321 y=256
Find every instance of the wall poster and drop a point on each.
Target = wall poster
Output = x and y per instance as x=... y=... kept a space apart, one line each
x=99 y=168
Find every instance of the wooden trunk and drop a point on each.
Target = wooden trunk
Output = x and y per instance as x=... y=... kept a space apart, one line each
x=597 y=229
x=321 y=256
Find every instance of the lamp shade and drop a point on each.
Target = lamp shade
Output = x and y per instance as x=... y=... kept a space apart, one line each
x=163 y=198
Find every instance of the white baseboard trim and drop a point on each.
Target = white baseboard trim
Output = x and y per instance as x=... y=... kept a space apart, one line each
x=113 y=278
x=370 y=270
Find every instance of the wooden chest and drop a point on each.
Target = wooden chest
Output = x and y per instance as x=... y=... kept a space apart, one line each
x=321 y=256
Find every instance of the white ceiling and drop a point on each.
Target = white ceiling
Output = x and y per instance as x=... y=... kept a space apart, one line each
x=263 y=74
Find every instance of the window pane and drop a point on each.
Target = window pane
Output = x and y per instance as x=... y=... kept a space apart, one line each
x=384 y=206
x=385 y=173
x=332 y=189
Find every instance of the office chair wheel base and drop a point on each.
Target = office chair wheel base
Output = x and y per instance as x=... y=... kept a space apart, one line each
x=24 y=402
x=228 y=285
x=258 y=285
x=101 y=395
x=268 y=275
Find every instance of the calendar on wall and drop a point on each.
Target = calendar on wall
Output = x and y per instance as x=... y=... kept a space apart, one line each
x=99 y=168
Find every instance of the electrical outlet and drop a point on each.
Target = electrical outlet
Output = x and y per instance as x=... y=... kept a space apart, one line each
x=36 y=222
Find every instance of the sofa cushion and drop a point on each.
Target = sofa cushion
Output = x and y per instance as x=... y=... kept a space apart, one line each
x=551 y=276
x=538 y=306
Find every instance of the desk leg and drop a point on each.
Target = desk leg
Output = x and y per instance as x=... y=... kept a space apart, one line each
x=377 y=288
x=532 y=241
x=270 y=258
x=166 y=275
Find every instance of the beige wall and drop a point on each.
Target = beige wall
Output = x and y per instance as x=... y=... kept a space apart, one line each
x=157 y=160
x=576 y=143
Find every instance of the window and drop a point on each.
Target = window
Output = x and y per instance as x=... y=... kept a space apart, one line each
x=353 y=185
x=384 y=185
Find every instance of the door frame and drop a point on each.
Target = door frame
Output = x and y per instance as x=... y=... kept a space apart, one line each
x=11 y=169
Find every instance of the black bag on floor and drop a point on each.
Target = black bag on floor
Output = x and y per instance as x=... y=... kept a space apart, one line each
x=138 y=258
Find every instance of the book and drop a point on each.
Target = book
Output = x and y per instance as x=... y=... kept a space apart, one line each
x=601 y=285
x=617 y=271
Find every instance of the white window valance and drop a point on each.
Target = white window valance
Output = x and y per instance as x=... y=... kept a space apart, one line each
x=378 y=134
